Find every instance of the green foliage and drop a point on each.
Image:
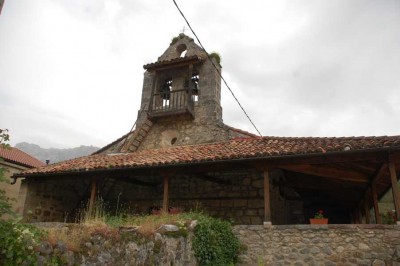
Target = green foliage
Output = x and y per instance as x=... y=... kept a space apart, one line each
x=214 y=242
x=17 y=243
x=389 y=217
x=5 y=205
x=174 y=40
x=217 y=57
x=4 y=137
x=177 y=38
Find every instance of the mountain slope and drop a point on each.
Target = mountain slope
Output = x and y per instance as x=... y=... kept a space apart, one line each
x=53 y=154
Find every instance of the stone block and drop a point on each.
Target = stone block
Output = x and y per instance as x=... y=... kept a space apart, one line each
x=240 y=203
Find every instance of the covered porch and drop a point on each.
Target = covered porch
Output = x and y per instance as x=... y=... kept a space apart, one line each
x=275 y=190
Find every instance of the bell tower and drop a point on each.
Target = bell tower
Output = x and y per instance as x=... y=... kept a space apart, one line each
x=180 y=104
x=182 y=84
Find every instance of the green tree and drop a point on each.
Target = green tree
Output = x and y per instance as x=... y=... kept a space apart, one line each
x=17 y=241
x=5 y=205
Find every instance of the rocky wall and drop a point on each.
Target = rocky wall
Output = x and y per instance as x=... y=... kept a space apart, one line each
x=124 y=247
x=54 y=200
x=320 y=245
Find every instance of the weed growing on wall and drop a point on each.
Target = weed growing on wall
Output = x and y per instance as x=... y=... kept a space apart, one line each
x=214 y=242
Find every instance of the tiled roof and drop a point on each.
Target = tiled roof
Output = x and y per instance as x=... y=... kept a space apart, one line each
x=19 y=157
x=266 y=147
x=172 y=61
x=243 y=132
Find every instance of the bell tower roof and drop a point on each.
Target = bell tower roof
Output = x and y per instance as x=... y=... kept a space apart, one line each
x=182 y=50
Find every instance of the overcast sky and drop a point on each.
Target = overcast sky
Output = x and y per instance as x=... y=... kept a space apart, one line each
x=71 y=71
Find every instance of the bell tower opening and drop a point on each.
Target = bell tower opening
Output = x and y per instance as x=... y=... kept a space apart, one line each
x=183 y=83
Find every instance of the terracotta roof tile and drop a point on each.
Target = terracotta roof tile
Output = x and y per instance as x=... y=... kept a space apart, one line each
x=232 y=149
x=19 y=157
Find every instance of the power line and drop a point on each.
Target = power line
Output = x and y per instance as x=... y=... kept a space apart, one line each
x=219 y=73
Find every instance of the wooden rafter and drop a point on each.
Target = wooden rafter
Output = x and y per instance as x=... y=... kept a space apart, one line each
x=395 y=189
x=328 y=172
x=212 y=179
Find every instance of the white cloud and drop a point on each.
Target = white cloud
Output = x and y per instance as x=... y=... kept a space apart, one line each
x=71 y=71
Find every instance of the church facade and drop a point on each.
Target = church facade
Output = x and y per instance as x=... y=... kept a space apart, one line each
x=182 y=155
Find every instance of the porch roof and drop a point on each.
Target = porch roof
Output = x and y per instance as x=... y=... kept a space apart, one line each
x=235 y=149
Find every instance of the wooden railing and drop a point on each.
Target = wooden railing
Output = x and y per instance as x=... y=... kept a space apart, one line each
x=173 y=102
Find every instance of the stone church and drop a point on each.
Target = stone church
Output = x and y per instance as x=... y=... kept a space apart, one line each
x=181 y=154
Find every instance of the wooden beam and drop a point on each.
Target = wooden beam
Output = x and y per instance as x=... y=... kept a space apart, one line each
x=379 y=173
x=374 y=157
x=213 y=179
x=378 y=218
x=166 y=193
x=359 y=213
x=366 y=211
x=92 y=196
x=328 y=172
x=267 y=200
x=395 y=189
x=136 y=181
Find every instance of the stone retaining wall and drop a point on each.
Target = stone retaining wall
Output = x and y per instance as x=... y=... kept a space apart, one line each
x=320 y=245
x=128 y=247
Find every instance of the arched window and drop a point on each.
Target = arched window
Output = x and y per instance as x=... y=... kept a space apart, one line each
x=195 y=86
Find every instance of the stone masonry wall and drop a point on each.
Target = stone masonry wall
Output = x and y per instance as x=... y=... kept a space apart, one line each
x=320 y=244
x=185 y=132
x=125 y=247
x=232 y=195
x=54 y=200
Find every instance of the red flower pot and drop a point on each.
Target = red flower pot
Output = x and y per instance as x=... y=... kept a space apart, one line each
x=318 y=221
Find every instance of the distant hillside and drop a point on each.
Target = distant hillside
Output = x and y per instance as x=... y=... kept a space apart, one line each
x=53 y=154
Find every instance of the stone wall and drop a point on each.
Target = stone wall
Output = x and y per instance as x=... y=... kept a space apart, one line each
x=320 y=245
x=232 y=195
x=56 y=199
x=13 y=191
x=124 y=247
x=186 y=132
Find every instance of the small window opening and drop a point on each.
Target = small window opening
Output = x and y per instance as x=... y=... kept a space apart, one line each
x=165 y=91
x=173 y=141
x=181 y=49
x=195 y=86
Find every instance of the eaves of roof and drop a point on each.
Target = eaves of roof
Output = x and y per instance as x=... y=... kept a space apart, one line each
x=228 y=151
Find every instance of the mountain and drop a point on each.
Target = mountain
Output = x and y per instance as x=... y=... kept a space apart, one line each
x=53 y=154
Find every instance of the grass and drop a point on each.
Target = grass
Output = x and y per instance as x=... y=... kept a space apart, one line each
x=98 y=221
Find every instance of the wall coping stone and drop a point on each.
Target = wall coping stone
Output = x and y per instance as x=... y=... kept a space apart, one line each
x=320 y=227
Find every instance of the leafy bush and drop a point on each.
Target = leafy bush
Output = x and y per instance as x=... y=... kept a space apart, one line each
x=217 y=57
x=18 y=243
x=214 y=242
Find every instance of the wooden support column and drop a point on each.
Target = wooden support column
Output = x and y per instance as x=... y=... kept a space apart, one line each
x=267 y=199
x=395 y=189
x=166 y=194
x=359 y=215
x=92 y=196
x=378 y=218
x=366 y=211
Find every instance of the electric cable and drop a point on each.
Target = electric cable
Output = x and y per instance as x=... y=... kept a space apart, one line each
x=219 y=73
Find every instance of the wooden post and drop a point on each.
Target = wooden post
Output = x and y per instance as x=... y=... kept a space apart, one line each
x=395 y=189
x=359 y=215
x=366 y=210
x=92 y=196
x=378 y=218
x=166 y=193
x=267 y=200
